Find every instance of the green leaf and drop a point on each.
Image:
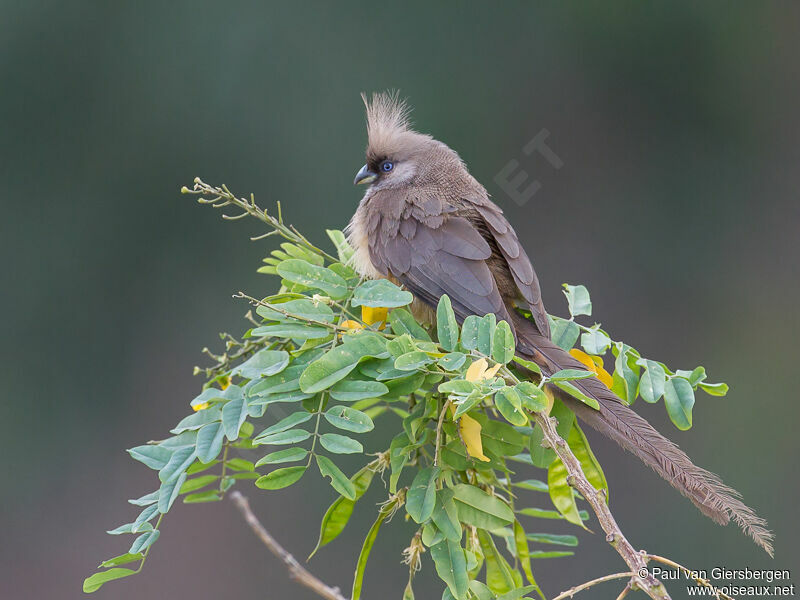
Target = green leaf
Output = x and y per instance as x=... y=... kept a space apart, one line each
x=380 y=293
x=234 y=414
x=451 y=566
x=570 y=375
x=576 y=393
x=578 y=299
x=209 y=442
x=500 y=438
x=412 y=361
x=201 y=497
x=533 y=485
x=155 y=457
x=287 y=380
x=194 y=484
x=343 y=249
x=283 y=456
x=446 y=325
x=469 y=332
x=402 y=322
x=338 y=513
x=352 y=390
x=714 y=389
x=168 y=491
x=292 y=420
x=312 y=276
x=564 y=416
x=122 y=559
x=198 y=419
x=295 y=331
x=540 y=513
x=498 y=572
x=144 y=541
x=549 y=538
x=339 y=481
x=504 y=345
x=626 y=372
x=421 y=497
x=561 y=493
x=477 y=508
x=679 y=400
x=486 y=328
x=177 y=464
x=303 y=308
x=524 y=555
x=509 y=403
x=366 y=548
x=445 y=515
x=651 y=385
x=240 y=464
x=349 y=419
x=540 y=456
x=564 y=333
x=457 y=386
x=595 y=341
x=292 y=436
x=452 y=361
x=481 y=590
x=337 y=363
x=263 y=364
x=340 y=444
x=300 y=252
x=146 y=499
x=591 y=466
x=519 y=592
x=280 y=478
x=532 y=366
x=141 y=526
x=96 y=581
x=532 y=397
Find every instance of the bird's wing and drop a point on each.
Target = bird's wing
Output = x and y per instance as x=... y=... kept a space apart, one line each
x=518 y=262
x=437 y=255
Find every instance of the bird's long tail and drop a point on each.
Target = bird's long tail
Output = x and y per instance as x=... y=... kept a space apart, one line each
x=620 y=423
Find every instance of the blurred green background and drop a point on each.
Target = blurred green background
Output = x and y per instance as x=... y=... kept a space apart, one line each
x=677 y=206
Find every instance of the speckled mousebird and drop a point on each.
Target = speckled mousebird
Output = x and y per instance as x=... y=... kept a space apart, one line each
x=428 y=225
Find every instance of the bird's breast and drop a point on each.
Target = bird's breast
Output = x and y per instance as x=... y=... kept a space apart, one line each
x=357 y=237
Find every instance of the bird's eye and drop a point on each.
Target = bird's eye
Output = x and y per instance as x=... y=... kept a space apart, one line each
x=387 y=166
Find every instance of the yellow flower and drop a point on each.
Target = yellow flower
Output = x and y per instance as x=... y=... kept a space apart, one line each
x=224 y=382
x=371 y=315
x=595 y=365
x=470 y=431
x=478 y=370
x=201 y=406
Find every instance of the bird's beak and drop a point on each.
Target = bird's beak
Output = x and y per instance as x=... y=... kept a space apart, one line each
x=365 y=176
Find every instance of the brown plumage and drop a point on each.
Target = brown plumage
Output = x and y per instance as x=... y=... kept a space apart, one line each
x=427 y=224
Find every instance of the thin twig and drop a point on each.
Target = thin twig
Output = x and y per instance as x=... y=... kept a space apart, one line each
x=585 y=586
x=636 y=561
x=296 y=570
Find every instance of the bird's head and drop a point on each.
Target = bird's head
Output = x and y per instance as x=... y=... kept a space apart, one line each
x=397 y=156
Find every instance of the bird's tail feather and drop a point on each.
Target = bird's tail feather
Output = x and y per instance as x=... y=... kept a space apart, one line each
x=621 y=424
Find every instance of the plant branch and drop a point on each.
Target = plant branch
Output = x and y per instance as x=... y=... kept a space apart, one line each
x=296 y=570
x=636 y=561
x=222 y=197
x=585 y=586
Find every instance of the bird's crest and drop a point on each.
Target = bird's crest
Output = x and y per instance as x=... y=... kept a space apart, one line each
x=388 y=125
